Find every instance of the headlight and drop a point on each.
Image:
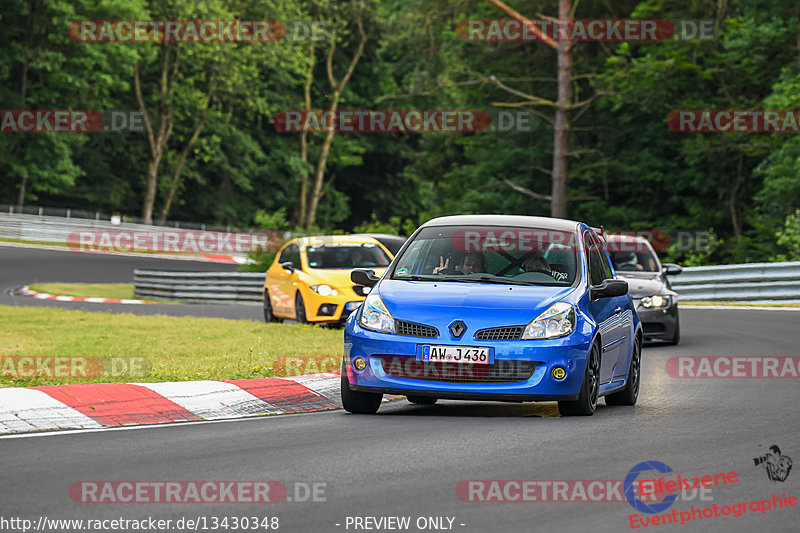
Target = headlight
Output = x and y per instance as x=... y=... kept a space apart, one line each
x=374 y=315
x=324 y=290
x=655 y=301
x=557 y=321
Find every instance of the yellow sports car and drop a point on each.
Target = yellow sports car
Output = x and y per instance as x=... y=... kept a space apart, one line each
x=309 y=281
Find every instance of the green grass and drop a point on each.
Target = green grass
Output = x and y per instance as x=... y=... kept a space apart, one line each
x=164 y=348
x=739 y=304
x=123 y=291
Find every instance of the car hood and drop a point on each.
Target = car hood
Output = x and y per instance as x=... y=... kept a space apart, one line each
x=641 y=285
x=335 y=278
x=484 y=304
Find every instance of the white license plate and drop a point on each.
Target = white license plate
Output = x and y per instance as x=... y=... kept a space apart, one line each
x=456 y=354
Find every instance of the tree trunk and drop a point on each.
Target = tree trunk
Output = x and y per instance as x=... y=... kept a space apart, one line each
x=157 y=142
x=797 y=16
x=558 y=205
x=319 y=174
x=301 y=218
x=23 y=93
x=336 y=90
x=176 y=176
x=733 y=201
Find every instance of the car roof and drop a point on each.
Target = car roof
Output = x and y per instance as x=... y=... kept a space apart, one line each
x=322 y=239
x=393 y=243
x=559 y=224
x=625 y=238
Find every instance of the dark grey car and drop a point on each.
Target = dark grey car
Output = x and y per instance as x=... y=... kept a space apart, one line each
x=656 y=303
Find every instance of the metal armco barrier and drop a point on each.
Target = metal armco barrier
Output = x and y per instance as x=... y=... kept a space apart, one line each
x=199 y=287
x=753 y=282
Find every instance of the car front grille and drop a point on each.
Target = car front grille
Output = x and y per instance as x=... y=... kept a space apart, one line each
x=499 y=372
x=512 y=333
x=402 y=327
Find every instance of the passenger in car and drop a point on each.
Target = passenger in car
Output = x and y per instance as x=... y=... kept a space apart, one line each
x=472 y=263
x=537 y=263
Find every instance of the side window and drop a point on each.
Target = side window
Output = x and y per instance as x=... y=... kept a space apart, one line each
x=594 y=256
x=291 y=254
x=609 y=271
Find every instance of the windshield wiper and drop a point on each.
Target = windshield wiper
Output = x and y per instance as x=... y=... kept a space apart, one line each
x=488 y=279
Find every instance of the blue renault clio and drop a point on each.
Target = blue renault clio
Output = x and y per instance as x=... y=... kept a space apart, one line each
x=498 y=308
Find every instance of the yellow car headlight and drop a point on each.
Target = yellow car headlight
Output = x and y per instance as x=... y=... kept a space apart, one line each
x=324 y=290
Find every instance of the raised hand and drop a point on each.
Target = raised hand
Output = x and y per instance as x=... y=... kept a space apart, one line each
x=442 y=265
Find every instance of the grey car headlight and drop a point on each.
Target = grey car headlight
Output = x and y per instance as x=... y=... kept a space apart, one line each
x=375 y=316
x=655 y=301
x=557 y=321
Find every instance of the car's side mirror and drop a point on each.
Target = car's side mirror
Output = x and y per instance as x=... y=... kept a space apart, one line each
x=288 y=266
x=609 y=288
x=671 y=269
x=364 y=277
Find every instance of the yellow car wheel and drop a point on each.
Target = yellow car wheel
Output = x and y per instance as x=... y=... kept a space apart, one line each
x=300 y=309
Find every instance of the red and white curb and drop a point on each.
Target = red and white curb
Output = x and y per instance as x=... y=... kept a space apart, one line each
x=93 y=406
x=25 y=291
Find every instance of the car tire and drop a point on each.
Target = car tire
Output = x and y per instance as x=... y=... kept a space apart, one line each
x=269 y=316
x=422 y=400
x=300 y=309
x=676 y=337
x=361 y=403
x=586 y=403
x=630 y=393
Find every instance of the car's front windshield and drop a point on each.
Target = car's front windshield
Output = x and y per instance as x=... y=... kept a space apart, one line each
x=345 y=256
x=640 y=261
x=490 y=254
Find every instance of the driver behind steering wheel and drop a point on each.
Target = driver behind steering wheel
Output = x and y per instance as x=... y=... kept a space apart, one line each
x=537 y=263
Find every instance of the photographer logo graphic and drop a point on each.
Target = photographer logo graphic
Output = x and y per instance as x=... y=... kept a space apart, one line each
x=630 y=488
x=777 y=466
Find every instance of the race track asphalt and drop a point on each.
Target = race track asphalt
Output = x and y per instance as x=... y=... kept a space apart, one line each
x=24 y=266
x=408 y=460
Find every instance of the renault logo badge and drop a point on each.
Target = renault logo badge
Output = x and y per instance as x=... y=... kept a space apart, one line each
x=458 y=328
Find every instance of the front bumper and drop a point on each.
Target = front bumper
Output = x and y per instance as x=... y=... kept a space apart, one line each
x=330 y=309
x=657 y=323
x=384 y=353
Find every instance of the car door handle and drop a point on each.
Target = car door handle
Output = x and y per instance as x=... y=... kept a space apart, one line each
x=618 y=310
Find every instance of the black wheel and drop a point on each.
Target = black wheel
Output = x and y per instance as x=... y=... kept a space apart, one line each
x=362 y=403
x=269 y=316
x=630 y=393
x=587 y=400
x=300 y=309
x=676 y=337
x=422 y=400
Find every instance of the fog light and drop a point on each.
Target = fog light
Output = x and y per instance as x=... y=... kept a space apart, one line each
x=558 y=373
x=359 y=363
